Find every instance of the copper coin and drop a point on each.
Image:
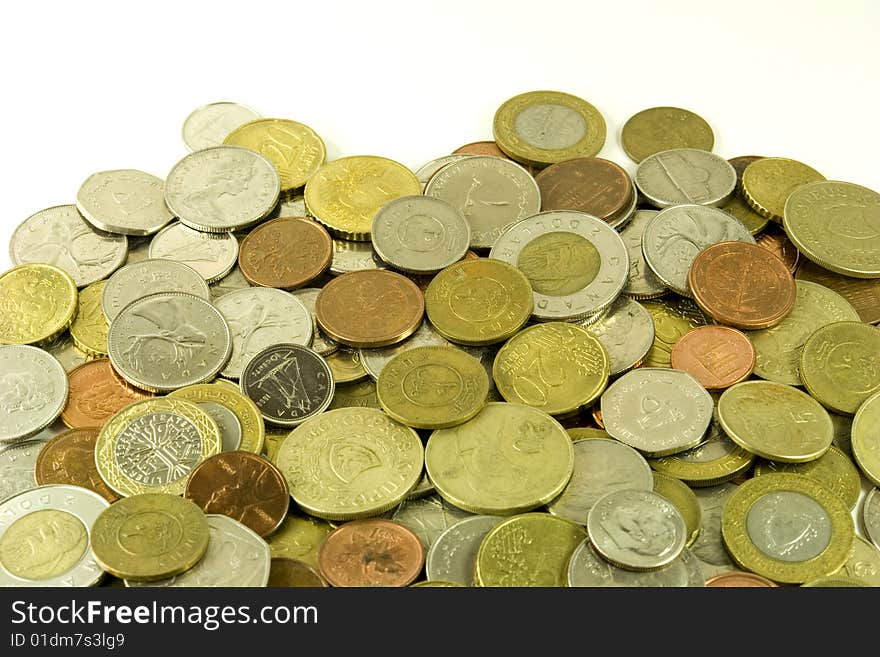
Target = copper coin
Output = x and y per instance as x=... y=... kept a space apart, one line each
x=371 y=552
x=739 y=580
x=740 y=163
x=243 y=486
x=587 y=184
x=69 y=458
x=776 y=242
x=97 y=393
x=718 y=356
x=862 y=293
x=370 y=308
x=286 y=253
x=742 y=285
x=291 y=573
x=597 y=417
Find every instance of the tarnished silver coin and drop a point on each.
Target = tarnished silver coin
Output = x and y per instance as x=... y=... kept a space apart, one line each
x=289 y=383
x=222 y=188
x=587 y=568
x=209 y=125
x=453 y=555
x=685 y=176
x=44 y=537
x=60 y=236
x=425 y=172
x=420 y=234
x=213 y=255
x=642 y=282
x=601 y=465
x=374 y=360
x=140 y=279
x=674 y=237
x=227 y=422
x=232 y=282
x=428 y=516
x=626 y=331
x=657 y=411
x=124 y=201
x=66 y=353
x=259 y=317
x=491 y=193
x=169 y=340
x=321 y=342
x=871 y=516
x=354 y=256
x=577 y=263
x=18 y=463
x=33 y=391
x=295 y=206
x=709 y=546
x=237 y=556
x=425 y=485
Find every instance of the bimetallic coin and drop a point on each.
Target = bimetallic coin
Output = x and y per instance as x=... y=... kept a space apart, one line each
x=587 y=568
x=222 y=188
x=717 y=356
x=212 y=255
x=871 y=516
x=833 y=470
x=124 y=201
x=96 y=392
x=286 y=253
x=60 y=236
x=354 y=256
x=641 y=282
x=684 y=499
x=425 y=172
x=428 y=517
x=866 y=438
x=90 y=326
x=33 y=391
x=716 y=460
x=209 y=124
x=663 y=128
x=299 y=537
x=862 y=293
x=673 y=318
x=863 y=564
x=739 y=580
x=375 y=360
x=138 y=280
x=18 y=465
x=44 y=537
x=69 y=458
x=768 y=182
x=37 y=303
x=150 y=537
x=592 y=185
x=289 y=573
x=321 y=342
x=626 y=331
x=452 y=556
x=685 y=176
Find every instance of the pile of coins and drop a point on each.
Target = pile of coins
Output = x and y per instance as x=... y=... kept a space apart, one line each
x=518 y=365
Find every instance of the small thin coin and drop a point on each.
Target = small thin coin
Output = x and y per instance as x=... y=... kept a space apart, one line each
x=227 y=423
x=588 y=184
x=587 y=568
x=287 y=253
x=33 y=391
x=124 y=202
x=374 y=360
x=452 y=556
x=684 y=499
x=226 y=395
x=673 y=318
x=663 y=128
x=718 y=356
x=866 y=438
x=626 y=331
x=146 y=277
x=739 y=580
x=299 y=537
x=290 y=573
x=428 y=516
x=18 y=465
x=212 y=255
x=641 y=282
x=862 y=293
x=346 y=366
x=69 y=458
x=354 y=256
x=90 y=326
x=208 y=125
x=321 y=342
x=833 y=470
x=716 y=460
x=768 y=182
x=685 y=176
x=97 y=393
x=871 y=516
x=37 y=303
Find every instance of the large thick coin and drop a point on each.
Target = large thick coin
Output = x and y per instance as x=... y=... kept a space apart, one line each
x=866 y=438
x=18 y=465
x=626 y=331
x=124 y=201
x=33 y=391
x=768 y=182
x=146 y=277
x=452 y=556
x=37 y=303
x=213 y=255
x=245 y=414
x=208 y=125
x=663 y=128
x=69 y=458
x=685 y=176
x=587 y=568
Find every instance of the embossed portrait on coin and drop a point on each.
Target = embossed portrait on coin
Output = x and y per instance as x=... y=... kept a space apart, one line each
x=21 y=391
x=226 y=180
x=43 y=544
x=639 y=530
x=149 y=533
x=853 y=367
x=559 y=263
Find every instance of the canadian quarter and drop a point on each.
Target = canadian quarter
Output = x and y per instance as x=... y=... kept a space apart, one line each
x=685 y=176
x=212 y=255
x=33 y=391
x=146 y=277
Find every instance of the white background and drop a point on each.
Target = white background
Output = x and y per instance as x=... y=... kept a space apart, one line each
x=90 y=86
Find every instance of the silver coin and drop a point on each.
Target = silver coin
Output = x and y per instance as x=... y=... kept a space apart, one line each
x=491 y=193
x=209 y=125
x=232 y=282
x=18 y=464
x=44 y=537
x=871 y=516
x=140 y=279
x=425 y=172
x=601 y=465
x=227 y=422
x=60 y=236
x=222 y=188
x=213 y=255
x=374 y=360
x=685 y=176
x=66 y=353
x=237 y=556
x=453 y=555
x=550 y=126
x=169 y=340
x=777 y=509
x=642 y=282
x=419 y=234
x=587 y=568
x=425 y=485
x=124 y=201
x=138 y=249
x=354 y=256
x=709 y=546
x=295 y=206
x=619 y=221
x=626 y=331
x=674 y=237
x=259 y=317
x=577 y=264
x=321 y=342
x=428 y=517
x=33 y=391
x=636 y=529
x=657 y=411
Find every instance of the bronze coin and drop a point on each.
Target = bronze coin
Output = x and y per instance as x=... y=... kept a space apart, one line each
x=69 y=458
x=739 y=579
x=717 y=356
x=862 y=293
x=287 y=253
x=740 y=163
x=291 y=573
x=588 y=184
x=96 y=392
x=370 y=308
x=776 y=242
x=371 y=552
x=243 y=486
x=597 y=417
x=742 y=285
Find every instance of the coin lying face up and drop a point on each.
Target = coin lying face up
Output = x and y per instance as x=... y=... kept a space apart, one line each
x=33 y=391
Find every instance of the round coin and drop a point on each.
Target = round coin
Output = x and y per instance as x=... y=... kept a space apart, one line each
x=663 y=128
x=69 y=458
x=768 y=182
x=673 y=318
x=427 y=171
x=587 y=568
x=346 y=366
x=354 y=256
x=232 y=282
x=375 y=360
x=717 y=356
x=626 y=331
x=286 y=253
x=871 y=516
x=588 y=184
x=321 y=342
x=18 y=465
x=96 y=393
x=709 y=546
x=685 y=176
x=641 y=282
x=245 y=414
x=360 y=395
x=862 y=293
x=739 y=580
x=90 y=326
x=833 y=470
x=684 y=499
x=716 y=460
x=428 y=516
x=124 y=201
x=212 y=255
x=208 y=125
x=863 y=564
x=33 y=391
x=146 y=277
x=289 y=573
x=299 y=537
x=866 y=438
x=452 y=556
x=37 y=302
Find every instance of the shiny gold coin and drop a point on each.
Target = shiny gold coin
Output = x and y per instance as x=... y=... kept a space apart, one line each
x=717 y=460
x=862 y=293
x=787 y=528
x=767 y=183
x=865 y=443
x=555 y=367
x=739 y=208
x=299 y=537
x=863 y=564
x=37 y=303
x=359 y=395
x=508 y=459
x=833 y=470
x=532 y=549
x=662 y=128
x=432 y=387
x=294 y=148
x=89 y=327
x=346 y=365
x=673 y=317
x=346 y=194
x=253 y=429
x=150 y=537
x=683 y=499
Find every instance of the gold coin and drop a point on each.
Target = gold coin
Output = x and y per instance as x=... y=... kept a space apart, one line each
x=833 y=470
x=863 y=564
x=717 y=460
x=479 y=301
x=299 y=537
x=862 y=293
x=151 y=446
x=776 y=421
x=840 y=365
x=865 y=443
x=360 y=395
x=766 y=184
x=89 y=327
x=683 y=499
x=432 y=387
x=253 y=429
x=346 y=365
x=542 y=127
x=663 y=128
x=42 y=545
x=350 y=463
x=739 y=208
x=272 y=442
x=586 y=433
x=834 y=582
x=787 y=528
x=555 y=367
x=673 y=317
x=508 y=459
x=294 y=148
x=149 y=537
x=531 y=549
x=37 y=303
x=346 y=194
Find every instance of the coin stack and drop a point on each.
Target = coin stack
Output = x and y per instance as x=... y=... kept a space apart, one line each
x=519 y=365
